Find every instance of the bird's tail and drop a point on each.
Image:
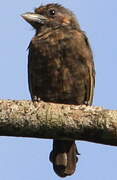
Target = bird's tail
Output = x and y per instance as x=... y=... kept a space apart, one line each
x=64 y=157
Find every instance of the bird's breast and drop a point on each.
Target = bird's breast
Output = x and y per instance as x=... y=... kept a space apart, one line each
x=55 y=69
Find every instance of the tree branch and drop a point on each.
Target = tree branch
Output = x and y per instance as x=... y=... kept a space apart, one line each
x=58 y=121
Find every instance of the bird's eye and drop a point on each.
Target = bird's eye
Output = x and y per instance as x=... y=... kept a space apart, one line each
x=51 y=12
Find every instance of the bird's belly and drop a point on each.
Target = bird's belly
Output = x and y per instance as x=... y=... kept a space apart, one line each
x=55 y=82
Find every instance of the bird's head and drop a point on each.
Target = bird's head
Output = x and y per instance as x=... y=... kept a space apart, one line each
x=50 y=16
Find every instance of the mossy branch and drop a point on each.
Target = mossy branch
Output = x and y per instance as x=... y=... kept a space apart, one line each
x=58 y=121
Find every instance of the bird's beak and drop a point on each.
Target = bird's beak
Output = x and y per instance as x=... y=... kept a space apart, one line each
x=34 y=18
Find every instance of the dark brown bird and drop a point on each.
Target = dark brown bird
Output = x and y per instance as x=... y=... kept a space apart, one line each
x=60 y=70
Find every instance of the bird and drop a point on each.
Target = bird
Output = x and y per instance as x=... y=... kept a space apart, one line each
x=60 y=70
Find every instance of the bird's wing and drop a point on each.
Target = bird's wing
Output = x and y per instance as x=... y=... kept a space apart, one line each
x=87 y=56
x=90 y=63
x=31 y=83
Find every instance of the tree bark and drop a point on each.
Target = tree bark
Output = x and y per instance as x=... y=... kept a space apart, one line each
x=58 y=121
